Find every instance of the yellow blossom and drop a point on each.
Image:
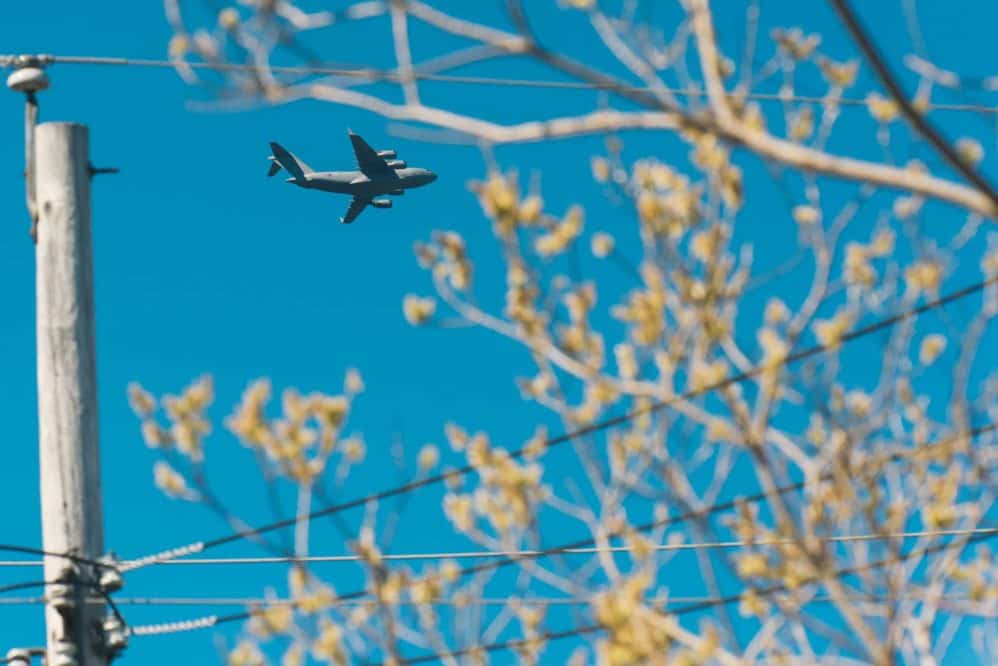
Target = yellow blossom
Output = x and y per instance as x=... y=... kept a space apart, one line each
x=841 y=75
x=154 y=435
x=602 y=245
x=330 y=410
x=450 y=571
x=353 y=383
x=246 y=653
x=295 y=407
x=601 y=169
x=354 y=449
x=932 y=346
x=179 y=45
x=537 y=444
x=907 y=206
x=802 y=124
x=705 y=245
x=776 y=312
x=199 y=394
x=829 y=332
x=456 y=435
x=641 y=547
x=228 y=18
x=418 y=310
x=751 y=604
x=857 y=265
x=794 y=43
x=939 y=515
x=753 y=118
x=731 y=186
x=498 y=195
x=859 y=403
x=429 y=456
x=752 y=564
x=816 y=430
x=458 y=509
x=703 y=374
x=718 y=430
x=171 y=482
x=293 y=656
x=882 y=109
x=366 y=547
x=969 y=150
x=806 y=215
x=140 y=400
x=328 y=645
x=648 y=206
x=774 y=348
x=530 y=209
x=923 y=276
x=272 y=620
x=883 y=243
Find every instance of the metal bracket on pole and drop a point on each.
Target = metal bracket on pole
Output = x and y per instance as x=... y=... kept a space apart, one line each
x=29 y=78
x=62 y=595
x=23 y=656
x=109 y=575
x=96 y=171
x=114 y=632
x=115 y=635
x=18 y=657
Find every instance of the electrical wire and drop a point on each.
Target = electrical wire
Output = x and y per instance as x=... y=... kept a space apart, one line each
x=23 y=586
x=28 y=550
x=569 y=436
x=687 y=609
x=459 y=603
x=389 y=76
x=490 y=554
x=213 y=620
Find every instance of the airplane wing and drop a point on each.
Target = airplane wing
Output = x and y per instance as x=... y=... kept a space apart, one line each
x=357 y=206
x=368 y=160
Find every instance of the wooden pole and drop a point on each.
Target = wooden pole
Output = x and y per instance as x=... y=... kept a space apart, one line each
x=69 y=454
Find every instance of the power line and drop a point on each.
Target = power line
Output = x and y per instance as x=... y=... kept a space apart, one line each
x=390 y=76
x=213 y=620
x=28 y=550
x=569 y=436
x=26 y=585
x=489 y=554
x=690 y=608
x=459 y=603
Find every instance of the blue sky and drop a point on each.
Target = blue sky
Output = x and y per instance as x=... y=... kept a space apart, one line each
x=204 y=265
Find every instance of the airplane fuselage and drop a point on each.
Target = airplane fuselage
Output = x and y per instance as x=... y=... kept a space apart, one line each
x=359 y=184
x=378 y=173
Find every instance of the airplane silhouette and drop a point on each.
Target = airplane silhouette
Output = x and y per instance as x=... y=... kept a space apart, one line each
x=378 y=173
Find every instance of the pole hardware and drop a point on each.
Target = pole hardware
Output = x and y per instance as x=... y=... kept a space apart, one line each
x=29 y=77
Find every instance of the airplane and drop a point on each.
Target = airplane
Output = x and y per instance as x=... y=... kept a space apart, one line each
x=378 y=173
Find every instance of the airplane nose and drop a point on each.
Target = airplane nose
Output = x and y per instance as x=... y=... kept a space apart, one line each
x=430 y=176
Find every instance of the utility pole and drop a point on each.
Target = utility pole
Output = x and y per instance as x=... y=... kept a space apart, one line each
x=57 y=175
x=69 y=451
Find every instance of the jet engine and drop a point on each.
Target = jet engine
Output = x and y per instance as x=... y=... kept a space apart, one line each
x=387 y=154
x=396 y=164
x=382 y=203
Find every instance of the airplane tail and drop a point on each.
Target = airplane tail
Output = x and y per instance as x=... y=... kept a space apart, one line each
x=282 y=158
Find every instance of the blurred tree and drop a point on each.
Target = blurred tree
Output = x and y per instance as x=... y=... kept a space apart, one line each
x=859 y=540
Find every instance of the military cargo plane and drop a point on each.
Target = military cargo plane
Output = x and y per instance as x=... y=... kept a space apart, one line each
x=378 y=173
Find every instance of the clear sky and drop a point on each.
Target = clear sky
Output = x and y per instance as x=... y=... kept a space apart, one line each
x=204 y=265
